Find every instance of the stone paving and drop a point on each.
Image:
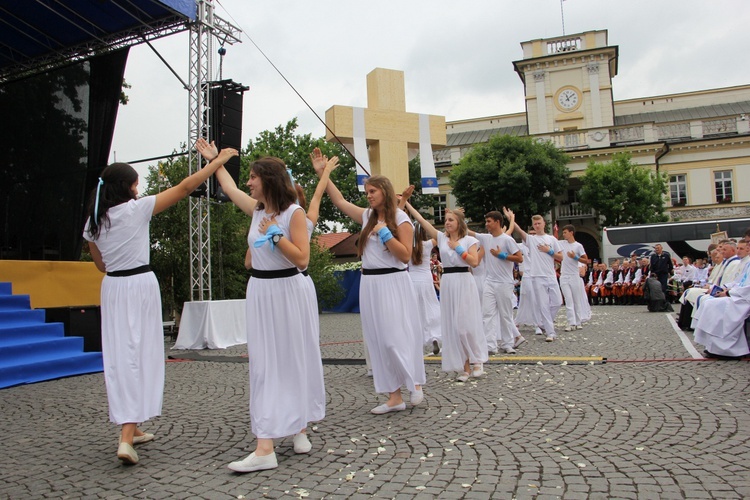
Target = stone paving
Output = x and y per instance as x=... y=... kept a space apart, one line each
x=651 y=422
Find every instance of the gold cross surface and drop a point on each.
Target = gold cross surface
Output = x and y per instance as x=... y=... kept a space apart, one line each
x=390 y=131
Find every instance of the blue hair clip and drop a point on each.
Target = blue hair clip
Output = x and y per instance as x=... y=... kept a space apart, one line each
x=96 y=203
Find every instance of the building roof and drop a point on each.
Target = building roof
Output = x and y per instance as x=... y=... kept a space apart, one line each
x=684 y=114
x=477 y=136
x=331 y=240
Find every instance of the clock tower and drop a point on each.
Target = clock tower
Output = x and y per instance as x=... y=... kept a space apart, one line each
x=568 y=83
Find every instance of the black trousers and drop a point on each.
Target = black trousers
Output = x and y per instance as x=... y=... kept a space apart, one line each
x=684 y=320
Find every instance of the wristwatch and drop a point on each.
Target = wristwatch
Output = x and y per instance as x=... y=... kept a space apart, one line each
x=276 y=238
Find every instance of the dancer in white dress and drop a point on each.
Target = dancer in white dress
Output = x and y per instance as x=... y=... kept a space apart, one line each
x=286 y=372
x=387 y=300
x=464 y=345
x=132 y=337
x=421 y=277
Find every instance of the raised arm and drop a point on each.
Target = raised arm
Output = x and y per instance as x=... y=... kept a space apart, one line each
x=314 y=208
x=240 y=198
x=512 y=226
x=428 y=228
x=171 y=196
x=511 y=222
x=404 y=198
x=349 y=209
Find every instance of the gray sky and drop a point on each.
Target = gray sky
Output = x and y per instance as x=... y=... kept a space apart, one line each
x=457 y=58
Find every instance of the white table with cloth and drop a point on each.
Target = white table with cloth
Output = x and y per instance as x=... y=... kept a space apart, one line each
x=212 y=324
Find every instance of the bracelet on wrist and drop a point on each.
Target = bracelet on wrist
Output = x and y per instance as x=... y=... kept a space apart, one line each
x=550 y=252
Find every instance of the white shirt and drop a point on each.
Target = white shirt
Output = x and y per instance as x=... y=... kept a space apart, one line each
x=498 y=270
x=124 y=243
x=569 y=266
x=540 y=263
x=449 y=256
x=376 y=255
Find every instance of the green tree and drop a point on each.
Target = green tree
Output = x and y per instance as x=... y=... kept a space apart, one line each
x=520 y=173
x=295 y=150
x=623 y=192
x=170 y=242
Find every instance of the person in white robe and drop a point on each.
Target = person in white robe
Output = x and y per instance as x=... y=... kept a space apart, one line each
x=387 y=300
x=421 y=277
x=464 y=346
x=570 y=279
x=117 y=230
x=544 y=250
x=287 y=390
x=721 y=323
x=501 y=333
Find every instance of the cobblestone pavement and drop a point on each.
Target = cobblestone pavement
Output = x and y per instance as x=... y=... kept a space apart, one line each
x=651 y=422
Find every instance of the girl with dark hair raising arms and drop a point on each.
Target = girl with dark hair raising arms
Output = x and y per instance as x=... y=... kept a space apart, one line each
x=132 y=338
x=387 y=301
x=286 y=370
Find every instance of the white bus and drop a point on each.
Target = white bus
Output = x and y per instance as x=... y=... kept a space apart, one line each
x=677 y=238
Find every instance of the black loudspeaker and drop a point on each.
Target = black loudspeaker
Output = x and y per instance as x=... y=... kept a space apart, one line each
x=79 y=321
x=225 y=119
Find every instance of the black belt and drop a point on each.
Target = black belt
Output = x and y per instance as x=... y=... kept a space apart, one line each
x=461 y=269
x=130 y=272
x=385 y=270
x=278 y=273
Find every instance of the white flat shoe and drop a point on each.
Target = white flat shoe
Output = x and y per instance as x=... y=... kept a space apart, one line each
x=463 y=377
x=145 y=438
x=127 y=454
x=301 y=443
x=253 y=462
x=417 y=397
x=384 y=408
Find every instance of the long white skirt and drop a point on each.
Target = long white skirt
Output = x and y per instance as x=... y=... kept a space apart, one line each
x=283 y=344
x=461 y=322
x=526 y=315
x=429 y=310
x=392 y=331
x=132 y=347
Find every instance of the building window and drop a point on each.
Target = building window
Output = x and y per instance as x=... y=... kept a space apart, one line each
x=723 y=186
x=442 y=203
x=678 y=190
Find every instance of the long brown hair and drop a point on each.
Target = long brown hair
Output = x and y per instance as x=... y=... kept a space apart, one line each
x=389 y=210
x=277 y=187
x=420 y=236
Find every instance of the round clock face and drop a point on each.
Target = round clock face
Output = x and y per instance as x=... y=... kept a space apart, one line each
x=568 y=99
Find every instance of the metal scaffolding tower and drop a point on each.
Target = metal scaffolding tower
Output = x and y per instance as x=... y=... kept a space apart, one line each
x=206 y=27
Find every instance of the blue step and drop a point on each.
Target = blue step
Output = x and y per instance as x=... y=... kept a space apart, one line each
x=42 y=350
x=22 y=316
x=14 y=302
x=79 y=364
x=11 y=335
x=32 y=350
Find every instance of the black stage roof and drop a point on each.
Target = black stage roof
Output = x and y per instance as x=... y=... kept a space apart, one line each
x=37 y=35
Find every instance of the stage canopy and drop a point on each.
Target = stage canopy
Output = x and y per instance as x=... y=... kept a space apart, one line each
x=61 y=72
x=37 y=35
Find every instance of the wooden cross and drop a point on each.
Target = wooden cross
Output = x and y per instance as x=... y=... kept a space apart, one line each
x=390 y=131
